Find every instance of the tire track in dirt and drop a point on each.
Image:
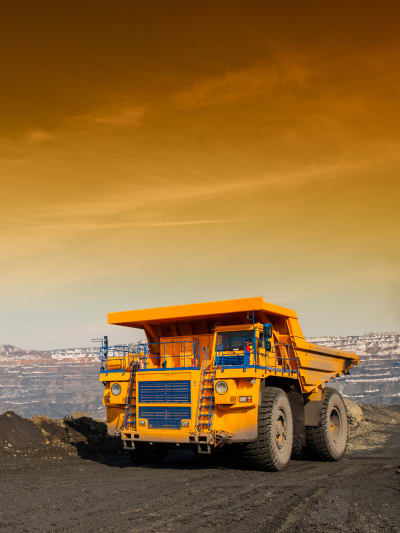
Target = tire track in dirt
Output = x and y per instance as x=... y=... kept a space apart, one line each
x=217 y=504
x=359 y=493
x=238 y=506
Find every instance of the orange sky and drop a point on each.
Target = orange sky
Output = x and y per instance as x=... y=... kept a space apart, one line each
x=196 y=151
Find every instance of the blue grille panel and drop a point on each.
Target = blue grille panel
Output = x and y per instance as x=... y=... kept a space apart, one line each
x=177 y=391
x=165 y=417
x=229 y=360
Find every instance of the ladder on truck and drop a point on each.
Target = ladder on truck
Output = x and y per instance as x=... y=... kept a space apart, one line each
x=205 y=408
x=286 y=359
x=130 y=406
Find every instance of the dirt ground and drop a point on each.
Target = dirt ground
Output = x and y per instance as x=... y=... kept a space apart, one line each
x=66 y=488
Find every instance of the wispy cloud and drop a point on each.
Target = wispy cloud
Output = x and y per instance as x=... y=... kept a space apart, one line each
x=70 y=129
x=128 y=116
x=38 y=135
x=284 y=73
x=159 y=223
x=156 y=201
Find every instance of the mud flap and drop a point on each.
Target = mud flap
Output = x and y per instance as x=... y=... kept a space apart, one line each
x=312 y=413
x=299 y=426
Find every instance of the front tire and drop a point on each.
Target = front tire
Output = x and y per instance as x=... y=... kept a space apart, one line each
x=328 y=441
x=273 y=447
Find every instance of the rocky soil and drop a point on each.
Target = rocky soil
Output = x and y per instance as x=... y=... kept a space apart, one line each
x=67 y=475
x=45 y=437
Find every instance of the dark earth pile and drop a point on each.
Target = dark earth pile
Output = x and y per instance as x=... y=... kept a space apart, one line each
x=68 y=482
x=43 y=436
x=19 y=434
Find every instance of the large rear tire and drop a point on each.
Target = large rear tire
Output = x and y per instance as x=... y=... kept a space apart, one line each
x=328 y=441
x=148 y=454
x=273 y=447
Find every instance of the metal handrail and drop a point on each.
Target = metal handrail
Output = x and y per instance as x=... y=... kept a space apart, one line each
x=285 y=359
x=249 y=347
x=285 y=364
x=141 y=352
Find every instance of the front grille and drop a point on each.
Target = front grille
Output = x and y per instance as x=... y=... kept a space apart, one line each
x=229 y=360
x=164 y=417
x=177 y=391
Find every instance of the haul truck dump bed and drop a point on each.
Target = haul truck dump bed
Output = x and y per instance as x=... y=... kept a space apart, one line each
x=234 y=374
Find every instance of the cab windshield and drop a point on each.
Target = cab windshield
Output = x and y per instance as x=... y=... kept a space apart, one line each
x=234 y=341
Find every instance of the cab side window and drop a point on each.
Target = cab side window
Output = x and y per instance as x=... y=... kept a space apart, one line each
x=261 y=339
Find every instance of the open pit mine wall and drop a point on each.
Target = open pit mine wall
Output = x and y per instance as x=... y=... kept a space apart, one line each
x=57 y=382
x=377 y=378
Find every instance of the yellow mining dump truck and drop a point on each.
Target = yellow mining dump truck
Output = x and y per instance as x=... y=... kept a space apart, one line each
x=234 y=375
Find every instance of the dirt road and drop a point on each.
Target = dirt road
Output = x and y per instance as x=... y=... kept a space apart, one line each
x=359 y=493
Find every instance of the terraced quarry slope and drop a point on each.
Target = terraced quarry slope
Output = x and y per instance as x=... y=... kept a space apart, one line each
x=57 y=382
x=377 y=379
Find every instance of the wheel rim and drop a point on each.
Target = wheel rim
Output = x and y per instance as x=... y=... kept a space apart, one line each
x=335 y=425
x=281 y=427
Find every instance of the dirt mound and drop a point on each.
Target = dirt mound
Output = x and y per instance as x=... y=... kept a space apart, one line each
x=89 y=437
x=18 y=434
x=54 y=433
x=381 y=414
x=43 y=436
x=355 y=414
x=78 y=435
x=369 y=433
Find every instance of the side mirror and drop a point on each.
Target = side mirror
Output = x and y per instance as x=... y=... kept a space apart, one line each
x=268 y=331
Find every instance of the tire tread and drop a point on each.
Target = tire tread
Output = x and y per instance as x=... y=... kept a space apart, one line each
x=259 y=454
x=317 y=445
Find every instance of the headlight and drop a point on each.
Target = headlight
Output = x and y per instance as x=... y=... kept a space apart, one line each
x=116 y=389
x=221 y=387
